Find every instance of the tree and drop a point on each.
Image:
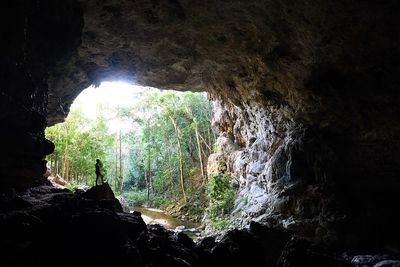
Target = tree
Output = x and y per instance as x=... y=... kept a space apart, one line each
x=164 y=152
x=78 y=143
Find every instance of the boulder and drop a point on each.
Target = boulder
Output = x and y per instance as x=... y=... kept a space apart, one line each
x=57 y=181
x=104 y=195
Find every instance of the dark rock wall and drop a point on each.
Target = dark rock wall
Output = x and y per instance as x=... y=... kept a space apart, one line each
x=306 y=95
x=46 y=226
x=35 y=34
x=313 y=149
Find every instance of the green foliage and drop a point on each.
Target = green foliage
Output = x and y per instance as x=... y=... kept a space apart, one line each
x=79 y=142
x=153 y=147
x=139 y=198
x=135 y=197
x=215 y=148
x=70 y=187
x=150 y=155
x=198 y=200
x=194 y=171
x=245 y=200
x=221 y=200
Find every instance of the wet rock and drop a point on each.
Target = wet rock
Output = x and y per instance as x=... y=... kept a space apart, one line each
x=124 y=204
x=179 y=228
x=259 y=246
x=58 y=220
x=365 y=260
x=185 y=240
x=300 y=252
x=207 y=243
x=388 y=263
x=374 y=260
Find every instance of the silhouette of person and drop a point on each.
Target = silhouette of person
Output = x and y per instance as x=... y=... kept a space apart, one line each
x=99 y=175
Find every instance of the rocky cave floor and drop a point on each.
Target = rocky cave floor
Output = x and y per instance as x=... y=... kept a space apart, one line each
x=45 y=226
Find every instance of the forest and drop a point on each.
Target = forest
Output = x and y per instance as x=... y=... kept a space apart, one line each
x=157 y=156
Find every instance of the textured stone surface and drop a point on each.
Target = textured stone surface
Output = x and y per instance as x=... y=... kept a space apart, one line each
x=47 y=226
x=306 y=96
x=35 y=35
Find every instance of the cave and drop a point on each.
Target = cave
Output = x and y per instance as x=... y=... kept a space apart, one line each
x=307 y=109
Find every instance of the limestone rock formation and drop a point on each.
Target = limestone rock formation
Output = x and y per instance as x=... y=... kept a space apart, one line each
x=47 y=226
x=57 y=181
x=306 y=95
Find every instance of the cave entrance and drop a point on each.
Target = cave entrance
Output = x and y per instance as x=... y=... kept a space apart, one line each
x=153 y=146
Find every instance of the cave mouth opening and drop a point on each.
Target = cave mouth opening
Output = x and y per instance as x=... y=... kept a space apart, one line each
x=153 y=147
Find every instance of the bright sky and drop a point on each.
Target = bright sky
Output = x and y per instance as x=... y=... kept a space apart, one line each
x=112 y=94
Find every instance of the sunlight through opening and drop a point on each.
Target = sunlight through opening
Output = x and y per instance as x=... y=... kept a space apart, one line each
x=152 y=146
x=109 y=96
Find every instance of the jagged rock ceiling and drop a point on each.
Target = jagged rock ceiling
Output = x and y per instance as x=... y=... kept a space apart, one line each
x=290 y=52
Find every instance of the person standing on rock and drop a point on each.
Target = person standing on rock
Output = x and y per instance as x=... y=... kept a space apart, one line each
x=99 y=175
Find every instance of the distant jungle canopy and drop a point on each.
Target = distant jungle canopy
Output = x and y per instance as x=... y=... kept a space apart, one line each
x=160 y=158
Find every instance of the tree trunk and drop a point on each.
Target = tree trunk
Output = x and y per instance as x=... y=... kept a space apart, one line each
x=209 y=137
x=67 y=163
x=67 y=170
x=51 y=164
x=178 y=139
x=190 y=151
x=205 y=142
x=170 y=167
x=150 y=178
x=56 y=167
x=70 y=170
x=148 y=163
x=121 y=178
x=146 y=180
x=116 y=165
x=203 y=176
x=63 y=167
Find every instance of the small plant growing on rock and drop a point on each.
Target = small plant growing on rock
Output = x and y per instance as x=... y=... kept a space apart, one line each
x=221 y=200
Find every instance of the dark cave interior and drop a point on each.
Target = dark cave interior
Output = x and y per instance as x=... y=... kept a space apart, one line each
x=308 y=114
